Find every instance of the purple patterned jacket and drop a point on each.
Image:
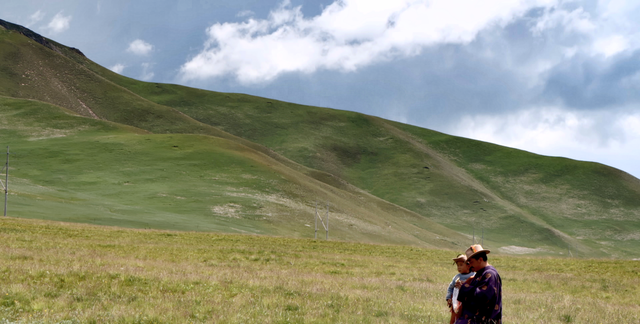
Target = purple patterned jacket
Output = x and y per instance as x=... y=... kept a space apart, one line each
x=481 y=298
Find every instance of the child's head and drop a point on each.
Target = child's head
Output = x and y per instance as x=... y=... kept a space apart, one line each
x=461 y=262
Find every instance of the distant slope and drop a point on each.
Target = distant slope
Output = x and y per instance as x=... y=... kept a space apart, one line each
x=431 y=173
x=71 y=168
x=509 y=196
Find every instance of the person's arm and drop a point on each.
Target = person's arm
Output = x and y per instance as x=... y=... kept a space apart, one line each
x=451 y=286
x=481 y=291
x=459 y=283
x=487 y=288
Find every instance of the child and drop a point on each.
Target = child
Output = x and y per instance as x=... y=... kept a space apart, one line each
x=464 y=274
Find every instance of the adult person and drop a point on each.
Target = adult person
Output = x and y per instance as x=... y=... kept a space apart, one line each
x=481 y=296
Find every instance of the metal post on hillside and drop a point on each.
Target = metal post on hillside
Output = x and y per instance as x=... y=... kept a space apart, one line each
x=327 y=216
x=326 y=226
x=5 y=184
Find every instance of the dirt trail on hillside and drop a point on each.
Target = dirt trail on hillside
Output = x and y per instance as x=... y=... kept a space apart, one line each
x=462 y=176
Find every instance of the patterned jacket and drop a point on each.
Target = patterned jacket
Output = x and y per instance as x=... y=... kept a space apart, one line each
x=481 y=298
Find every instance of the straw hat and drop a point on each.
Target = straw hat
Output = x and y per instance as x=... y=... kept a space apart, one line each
x=460 y=257
x=475 y=249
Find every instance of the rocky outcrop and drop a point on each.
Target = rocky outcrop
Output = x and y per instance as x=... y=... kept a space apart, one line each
x=34 y=36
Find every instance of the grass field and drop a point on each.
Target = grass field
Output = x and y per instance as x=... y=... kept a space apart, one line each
x=137 y=159
x=70 y=273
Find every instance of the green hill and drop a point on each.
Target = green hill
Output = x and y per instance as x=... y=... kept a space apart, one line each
x=271 y=161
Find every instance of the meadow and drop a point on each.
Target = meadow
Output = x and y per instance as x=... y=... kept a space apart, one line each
x=174 y=168
x=56 y=272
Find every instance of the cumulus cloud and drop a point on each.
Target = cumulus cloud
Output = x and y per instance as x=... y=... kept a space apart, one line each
x=595 y=83
x=118 y=68
x=610 y=45
x=618 y=27
x=245 y=13
x=480 y=69
x=147 y=74
x=347 y=35
x=576 y=20
x=59 y=23
x=35 y=18
x=536 y=128
x=140 y=47
x=610 y=137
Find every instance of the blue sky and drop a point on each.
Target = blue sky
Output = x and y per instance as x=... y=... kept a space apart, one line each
x=559 y=78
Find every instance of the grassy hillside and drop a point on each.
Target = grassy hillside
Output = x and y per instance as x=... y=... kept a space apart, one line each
x=591 y=202
x=526 y=200
x=518 y=200
x=72 y=168
x=64 y=273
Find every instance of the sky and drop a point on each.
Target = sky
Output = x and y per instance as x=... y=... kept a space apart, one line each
x=553 y=77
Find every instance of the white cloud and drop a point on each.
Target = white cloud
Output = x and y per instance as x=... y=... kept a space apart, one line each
x=140 y=47
x=605 y=137
x=618 y=27
x=613 y=9
x=346 y=36
x=570 y=21
x=59 y=23
x=610 y=45
x=118 y=68
x=147 y=74
x=35 y=18
x=570 y=52
x=245 y=13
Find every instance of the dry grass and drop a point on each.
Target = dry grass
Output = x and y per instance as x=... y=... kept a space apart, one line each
x=53 y=272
